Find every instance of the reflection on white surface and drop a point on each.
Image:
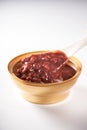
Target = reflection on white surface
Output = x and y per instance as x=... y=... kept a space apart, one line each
x=28 y=26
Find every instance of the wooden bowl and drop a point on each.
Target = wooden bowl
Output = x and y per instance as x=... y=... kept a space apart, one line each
x=44 y=93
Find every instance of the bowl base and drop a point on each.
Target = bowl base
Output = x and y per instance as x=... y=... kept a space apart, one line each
x=45 y=100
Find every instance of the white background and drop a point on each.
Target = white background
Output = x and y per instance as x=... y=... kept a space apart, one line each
x=41 y=25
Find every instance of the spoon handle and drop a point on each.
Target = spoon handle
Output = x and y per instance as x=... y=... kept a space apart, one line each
x=74 y=48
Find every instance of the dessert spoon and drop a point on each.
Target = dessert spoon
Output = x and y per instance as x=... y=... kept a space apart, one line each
x=73 y=49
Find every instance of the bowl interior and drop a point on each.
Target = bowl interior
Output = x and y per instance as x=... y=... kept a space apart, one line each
x=15 y=63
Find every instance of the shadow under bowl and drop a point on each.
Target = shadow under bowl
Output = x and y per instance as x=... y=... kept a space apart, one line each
x=44 y=93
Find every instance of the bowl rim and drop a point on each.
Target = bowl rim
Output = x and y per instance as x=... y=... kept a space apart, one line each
x=34 y=84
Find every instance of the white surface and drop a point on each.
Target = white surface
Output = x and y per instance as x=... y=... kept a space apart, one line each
x=30 y=26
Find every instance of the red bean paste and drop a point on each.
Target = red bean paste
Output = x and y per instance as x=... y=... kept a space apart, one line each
x=43 y=68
